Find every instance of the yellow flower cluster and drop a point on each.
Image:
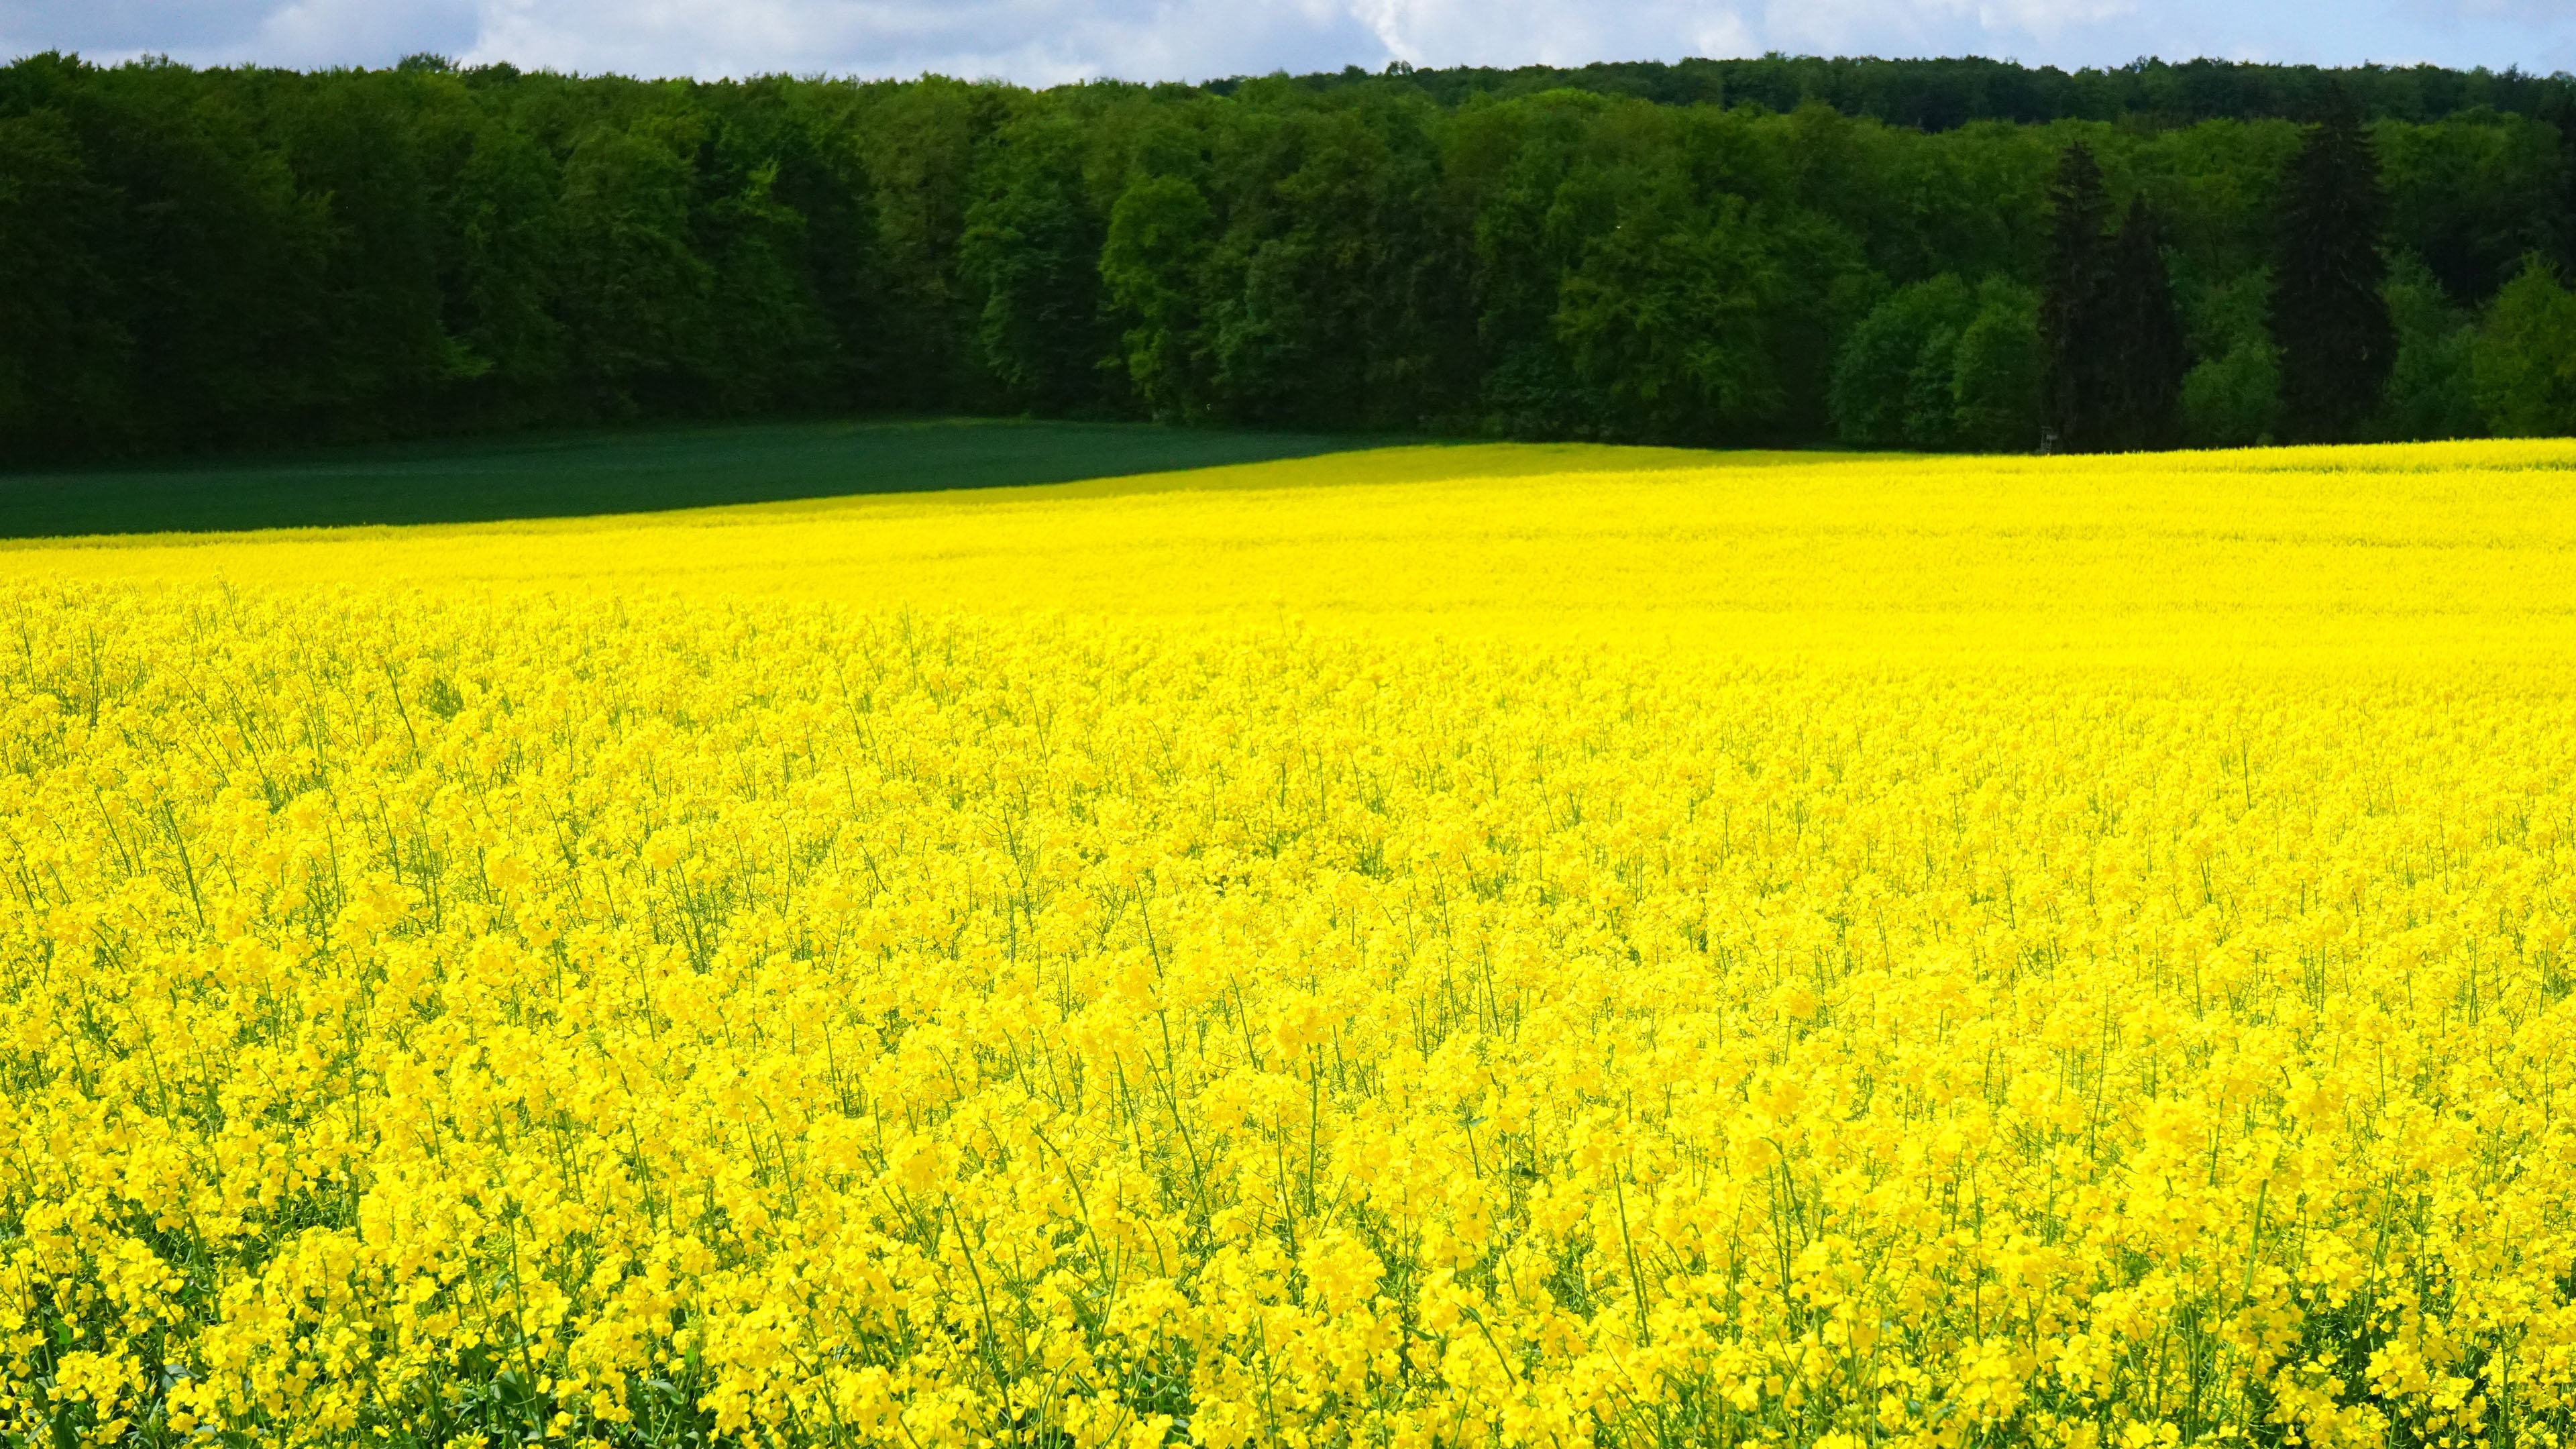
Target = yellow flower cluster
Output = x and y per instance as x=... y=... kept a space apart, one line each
x=482 y=1015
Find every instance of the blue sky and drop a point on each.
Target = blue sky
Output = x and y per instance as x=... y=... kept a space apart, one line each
x=1040 y=42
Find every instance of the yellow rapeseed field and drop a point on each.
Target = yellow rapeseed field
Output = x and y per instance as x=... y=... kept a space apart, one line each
x=1447 y=947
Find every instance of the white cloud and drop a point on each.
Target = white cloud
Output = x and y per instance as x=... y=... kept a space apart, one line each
x=1034 y=41
x=327 y=32
x=1040 y=42
x=1551 y=32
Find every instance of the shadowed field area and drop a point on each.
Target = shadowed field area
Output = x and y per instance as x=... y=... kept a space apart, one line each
x=562 y=475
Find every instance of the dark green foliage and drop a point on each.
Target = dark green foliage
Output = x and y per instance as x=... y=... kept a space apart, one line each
x=1288 y=285
x=2113 y=352
x=1159 y=236
x=1700 y=253
x=1995 y=374
x=2469 y=199
x=2557 y=226
x=2077 y=376
x=1942 y=365
x=353 y=147
x=1939 y=95
x=2525 y=369
x=636 y=296
x=1892 y=386
x=2329 y=320
x=62 y=354
x=2432 y=387
x=1031 y=252
x=612 y=470
x=216 y=266
x=2231 y=398
x=504 y=346
x=2143 y=329
x=1664 y=321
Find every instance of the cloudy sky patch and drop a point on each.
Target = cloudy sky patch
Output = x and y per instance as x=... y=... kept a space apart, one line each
x=1041 y=42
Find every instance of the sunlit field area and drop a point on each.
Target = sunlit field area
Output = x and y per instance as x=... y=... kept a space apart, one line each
x=1451 y=946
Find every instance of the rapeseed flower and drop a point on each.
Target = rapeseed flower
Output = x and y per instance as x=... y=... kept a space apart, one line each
x=589 y=1012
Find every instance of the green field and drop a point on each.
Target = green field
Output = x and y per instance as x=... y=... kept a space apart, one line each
x=623 y=471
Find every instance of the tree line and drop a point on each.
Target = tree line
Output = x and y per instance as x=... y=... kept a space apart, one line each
x=1925 y=255
x=1938 y=95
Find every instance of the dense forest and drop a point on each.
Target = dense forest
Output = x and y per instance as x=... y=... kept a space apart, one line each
x=1951 y=254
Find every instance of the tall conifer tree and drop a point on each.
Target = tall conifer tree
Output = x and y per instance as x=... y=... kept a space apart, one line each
x=2329 y=320
x=2148 y=350
x=2075 y=368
